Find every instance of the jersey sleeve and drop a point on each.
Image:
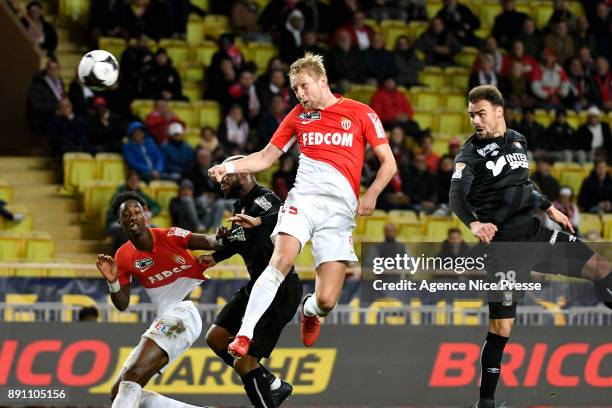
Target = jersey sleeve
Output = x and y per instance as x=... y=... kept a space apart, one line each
x=179 y=236
x=461 y=183
x=373 y=129
x=124 y=267
x=285 y=136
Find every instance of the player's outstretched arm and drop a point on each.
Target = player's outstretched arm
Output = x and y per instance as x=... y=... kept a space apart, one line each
x=203 y=242
x=253 y=163
x=120 y=295
x=388 y=168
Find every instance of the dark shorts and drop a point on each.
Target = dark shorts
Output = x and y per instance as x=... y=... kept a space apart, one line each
x=533 y=248
x=271 y=324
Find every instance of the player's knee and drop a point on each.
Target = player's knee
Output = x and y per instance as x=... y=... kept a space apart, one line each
x=326 y=302
x=282 y=261
x=501 y=327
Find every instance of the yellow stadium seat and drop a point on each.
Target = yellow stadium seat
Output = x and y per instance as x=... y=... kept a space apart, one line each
x=24 y=225
x=409 y=231
x=11 y=246
x=391 y=29
x=573 y=119
x=541 y=12
x=572 y=179
x=38 y=246
x=433 y=78
x=437 y=228
x=543 y=117
x=361 y=93
x=575 y=7
x=98 y=194
x=425 y=119
x=192 y=73
x=114 y=45
x=164 y=192
x=179 y=54
x=203 y=4
x=455 y=101
x=192 y=91
x=451 y=123
x=416 y=28
x=265 y=176
x=209 y=113
x=590 y=222
x=402 y=216
x=196 y=31
x=523 y=7
x=428 y=100
x=79 y=168
x=215 y=25
x=466 y=57
x=204 y=52
x=487 y=12
x=162 y=220
x=111 y=167
x=458 y=78
x=6 y=192
x=75 y=10
x=261 y=54
x=142 y=107
x=440 y=146
x=192 y=137
x=186 y=112
x=374 y=230
x=305 y=257
x=432 y=8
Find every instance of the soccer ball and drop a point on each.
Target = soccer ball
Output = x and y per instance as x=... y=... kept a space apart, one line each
x=98 y=70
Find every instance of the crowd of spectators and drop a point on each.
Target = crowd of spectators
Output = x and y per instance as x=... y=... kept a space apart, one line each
x=562 y=66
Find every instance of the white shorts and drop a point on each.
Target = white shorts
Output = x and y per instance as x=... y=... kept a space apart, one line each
x=327 y=221
x=174 y=331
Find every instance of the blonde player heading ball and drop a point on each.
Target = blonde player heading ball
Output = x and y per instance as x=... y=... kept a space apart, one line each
x=332 y=132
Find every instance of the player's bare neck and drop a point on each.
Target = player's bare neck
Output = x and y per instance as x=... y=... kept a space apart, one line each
x=143 y=241
x=329 y=101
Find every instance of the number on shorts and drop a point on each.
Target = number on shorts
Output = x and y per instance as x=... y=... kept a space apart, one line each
x=291 y=210
x=509 y=276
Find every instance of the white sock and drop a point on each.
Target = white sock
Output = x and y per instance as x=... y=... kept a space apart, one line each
x=262 y=295
x=311 y=308
x=128 y=395
x=151 y=399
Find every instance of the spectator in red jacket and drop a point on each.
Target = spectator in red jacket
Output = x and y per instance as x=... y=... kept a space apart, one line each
x=550 y=82
x=391 y=105
x=159 y=119
x=361 y=33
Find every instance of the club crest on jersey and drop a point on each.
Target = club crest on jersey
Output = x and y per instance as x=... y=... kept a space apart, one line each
x=263 y=203
x=179 y=259
x=345 y=123
x=237 y=235
x=310 y=116
x=515 y=160
x=491 y=147
x=143 y=264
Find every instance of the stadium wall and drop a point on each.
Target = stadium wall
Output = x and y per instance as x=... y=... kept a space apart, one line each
x=351 y=365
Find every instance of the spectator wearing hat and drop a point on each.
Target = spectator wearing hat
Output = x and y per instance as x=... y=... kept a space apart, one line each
x=106 y=129
x=566 y=205
x=544 y=179
x=177 y=153
x=596 y=191
x=550 y=82
x=142 y=154
x=162 y=80
x=593 y=135
x=183 y=209
x=159 y=120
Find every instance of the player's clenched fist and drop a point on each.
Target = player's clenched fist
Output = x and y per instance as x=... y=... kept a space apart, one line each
x=367 y=204
x=217 y=172
x=106 y=266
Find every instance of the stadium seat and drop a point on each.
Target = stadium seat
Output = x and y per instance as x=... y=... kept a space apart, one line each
x=574 y=119
x=179 y=54
x=543 y=117
x=192 y=137
x=192 y=91
x=111 y=167
x=466 y=57
x=451 y=123
x=162 y=220
x=164 y=192
x=440 y=146
x=590 y=222
x=572 y=179
x=11 y=246
x=523 y=7
x=114 y=45
x=204 y=52
x=305 y=257
x=402 y=216
x=453 y=100
x=458 y=78
x=432 y=77
x=141 y=107
x=466 y=233
x=196 y=31
x=575 y=7
x=24 y=225
x=411 y=231
x=96 y=199
x=428 y=100
x=265 y=176
x=261 y=54
x=75 y=10
x=215 y=25
x=192 y=73
x=362 y=93
x=209 y=113
x=39 y=246
x=203 y=4
x=186 y=112
x=79 y=168
x=425 y=119
x=432 y=8
x=374 y=230
x=437 y=228
x=415 y=29
x=391 y=29
x=487 y=11
x=541 y=12
x=6 y=191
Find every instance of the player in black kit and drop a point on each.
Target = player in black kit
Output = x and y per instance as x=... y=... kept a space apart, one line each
x=255 y=215
x=492 y=194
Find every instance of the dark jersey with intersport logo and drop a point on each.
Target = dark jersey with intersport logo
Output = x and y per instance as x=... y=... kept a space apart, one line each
x=491 y=183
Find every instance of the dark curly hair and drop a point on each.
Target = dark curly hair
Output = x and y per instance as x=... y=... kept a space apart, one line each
x=122 y=198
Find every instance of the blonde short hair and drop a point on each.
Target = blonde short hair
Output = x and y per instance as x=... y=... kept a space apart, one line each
x=312 y=63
